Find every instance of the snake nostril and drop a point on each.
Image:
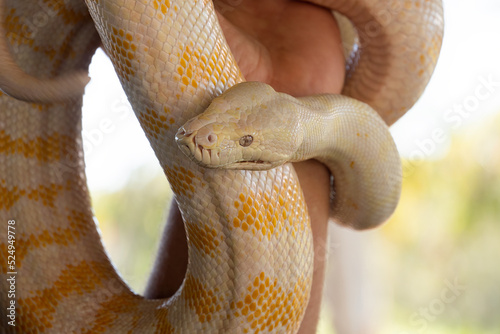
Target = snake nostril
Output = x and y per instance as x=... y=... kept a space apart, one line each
x=206 y=139
x=211 y=138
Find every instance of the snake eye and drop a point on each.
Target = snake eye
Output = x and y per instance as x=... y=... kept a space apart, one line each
x=246 y=140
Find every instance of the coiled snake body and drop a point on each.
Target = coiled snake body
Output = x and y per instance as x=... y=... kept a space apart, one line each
x=250 y=246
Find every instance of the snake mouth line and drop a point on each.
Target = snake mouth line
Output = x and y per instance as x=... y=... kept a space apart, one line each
x=258 y=162
x=257 y=165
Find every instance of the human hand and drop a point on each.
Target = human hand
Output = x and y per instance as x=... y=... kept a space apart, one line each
x=296 y=48
x=293 y=46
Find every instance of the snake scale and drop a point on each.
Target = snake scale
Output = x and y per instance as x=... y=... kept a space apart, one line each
x=250 y=245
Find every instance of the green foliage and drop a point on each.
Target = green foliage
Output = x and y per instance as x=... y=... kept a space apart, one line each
x=131 y=222
x=447 y=228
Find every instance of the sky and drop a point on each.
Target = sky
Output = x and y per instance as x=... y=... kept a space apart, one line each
x=464 y=89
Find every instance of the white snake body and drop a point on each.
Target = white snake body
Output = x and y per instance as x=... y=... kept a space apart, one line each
x=250 y=245
x=252 y=127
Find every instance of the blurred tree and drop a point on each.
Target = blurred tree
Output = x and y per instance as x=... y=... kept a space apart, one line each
x=446 y=232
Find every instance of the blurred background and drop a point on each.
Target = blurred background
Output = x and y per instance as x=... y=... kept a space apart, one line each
x=434 y=267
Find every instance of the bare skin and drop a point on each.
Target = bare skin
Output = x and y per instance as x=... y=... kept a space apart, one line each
x=296 y=48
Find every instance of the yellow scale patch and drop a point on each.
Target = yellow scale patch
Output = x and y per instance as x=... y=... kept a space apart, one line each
x=268 y=306
x=9 y=196
x=16 y=30
x=45 y=194
x=78 y=227
x=109 y=311
x=181 y=180
x=37 y=312
x=155 y=123
x=263 y=214
x=123 y=52
x=204 y=238
x=195 y=67
x=163 y=326
x=204 y=302
x=43 y=149
x=162 y=5
x=23 y=30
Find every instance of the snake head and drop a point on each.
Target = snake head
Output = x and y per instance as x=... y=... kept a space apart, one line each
x=249 y=126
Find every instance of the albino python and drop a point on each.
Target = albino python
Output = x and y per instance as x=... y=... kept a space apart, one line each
x=250 y=245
